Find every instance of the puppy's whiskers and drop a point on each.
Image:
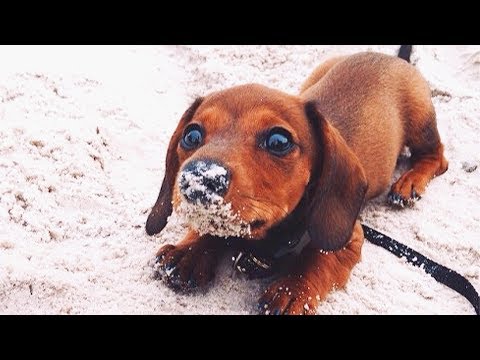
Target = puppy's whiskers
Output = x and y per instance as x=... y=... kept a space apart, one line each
x=265 y=204
x=259 y=210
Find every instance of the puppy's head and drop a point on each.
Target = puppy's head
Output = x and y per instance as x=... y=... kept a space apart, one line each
x=251 y=157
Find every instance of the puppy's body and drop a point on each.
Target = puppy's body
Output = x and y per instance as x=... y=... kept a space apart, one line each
x=379 y=104
x=292 y=167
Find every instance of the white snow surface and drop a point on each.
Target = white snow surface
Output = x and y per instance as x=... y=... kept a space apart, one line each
x=83 y=138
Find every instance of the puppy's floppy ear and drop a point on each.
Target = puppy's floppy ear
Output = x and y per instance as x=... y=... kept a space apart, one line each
x=337 y=189
x=163 y=207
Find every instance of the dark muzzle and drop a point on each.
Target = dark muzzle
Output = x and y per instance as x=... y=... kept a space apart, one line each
x=204 y=181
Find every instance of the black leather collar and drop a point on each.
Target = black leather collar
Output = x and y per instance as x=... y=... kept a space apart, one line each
x=259 y=259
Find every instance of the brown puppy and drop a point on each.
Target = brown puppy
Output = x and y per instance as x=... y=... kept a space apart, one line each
x=281 y=167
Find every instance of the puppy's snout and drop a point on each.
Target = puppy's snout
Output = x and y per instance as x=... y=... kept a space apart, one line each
x=205 y=181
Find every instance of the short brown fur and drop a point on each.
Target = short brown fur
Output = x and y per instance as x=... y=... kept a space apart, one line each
x=350 y=122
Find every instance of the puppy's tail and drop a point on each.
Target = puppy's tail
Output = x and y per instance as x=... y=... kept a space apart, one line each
x=404 y=52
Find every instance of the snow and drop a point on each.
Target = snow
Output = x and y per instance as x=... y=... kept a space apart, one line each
x=83 y=138
x=215 y=216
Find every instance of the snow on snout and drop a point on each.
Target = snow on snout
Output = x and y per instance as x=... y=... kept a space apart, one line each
x=214 y=216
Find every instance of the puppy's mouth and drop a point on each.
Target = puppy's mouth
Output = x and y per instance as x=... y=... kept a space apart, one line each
x=257 y=224
x=218 y=218
x=258 y=230
x=215 y=218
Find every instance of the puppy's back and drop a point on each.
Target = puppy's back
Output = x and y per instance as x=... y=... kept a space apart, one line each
x=369 y=98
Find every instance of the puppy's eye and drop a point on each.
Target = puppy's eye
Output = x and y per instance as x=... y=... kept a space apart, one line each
x=278 y=142
x=192 y=137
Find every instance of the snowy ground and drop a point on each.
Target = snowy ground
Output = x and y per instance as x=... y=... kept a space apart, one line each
x=83 y=135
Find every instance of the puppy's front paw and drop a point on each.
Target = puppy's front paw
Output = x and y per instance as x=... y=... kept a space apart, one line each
x=291 y=295
x=185 y=267
x=406 y=191
x=397 y=200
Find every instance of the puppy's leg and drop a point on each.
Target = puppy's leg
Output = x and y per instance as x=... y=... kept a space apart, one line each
x=314 y=276
x=427 y=160
x=191 y=262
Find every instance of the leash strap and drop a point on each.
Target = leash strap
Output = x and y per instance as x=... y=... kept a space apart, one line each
x=442 y=274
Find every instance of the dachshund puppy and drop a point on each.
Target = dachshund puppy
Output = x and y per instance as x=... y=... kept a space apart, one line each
x=255 y=163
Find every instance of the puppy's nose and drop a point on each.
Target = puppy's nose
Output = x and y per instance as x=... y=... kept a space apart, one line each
x=204 y=180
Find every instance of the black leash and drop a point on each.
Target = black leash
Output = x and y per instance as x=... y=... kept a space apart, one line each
x=442 y=274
